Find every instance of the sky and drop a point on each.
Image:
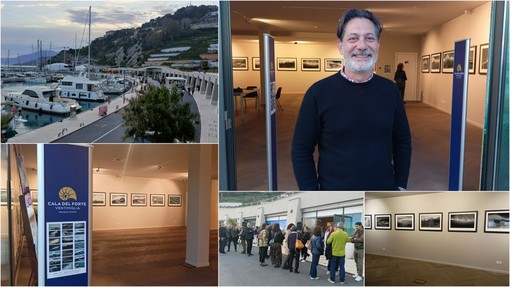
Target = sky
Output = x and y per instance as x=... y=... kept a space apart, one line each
x=63 y=23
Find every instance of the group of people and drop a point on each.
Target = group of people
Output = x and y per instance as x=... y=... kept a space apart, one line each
x=273 y=243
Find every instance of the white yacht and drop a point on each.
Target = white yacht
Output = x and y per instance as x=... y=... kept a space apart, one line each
x=81 y=88
x=115 y=86
x=41 y=98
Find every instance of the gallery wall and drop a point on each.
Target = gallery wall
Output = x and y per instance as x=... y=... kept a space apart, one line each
x=436 y=88
x=122 y=217
x=480 y=250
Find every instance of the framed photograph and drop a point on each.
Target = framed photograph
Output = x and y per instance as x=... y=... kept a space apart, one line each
x=138 y=199
x=472 y=59
x=484 y=59
x=287 y=64
x=404 y=221
x=255 y=63
x=118 y=199
x=174 y=200
x=333 y=65
x=497 y=221
x=35 y=196
x=99 y=199
x=240 y=63
x=310 y=64
x=431 y=221
x=465 y=221
x=425 y=64
x=157 y=200
x=368 y=221
x=382 y=221
x=448 y=62
x=435 y=63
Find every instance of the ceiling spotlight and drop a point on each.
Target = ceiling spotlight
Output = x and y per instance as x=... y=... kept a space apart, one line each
x=97 y=169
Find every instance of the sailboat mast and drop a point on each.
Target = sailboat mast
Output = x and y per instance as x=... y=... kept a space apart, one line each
x=90 y=20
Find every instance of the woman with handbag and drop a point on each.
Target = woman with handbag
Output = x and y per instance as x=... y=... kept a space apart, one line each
x=295 y=245
x=285 y=245
x=306 y=241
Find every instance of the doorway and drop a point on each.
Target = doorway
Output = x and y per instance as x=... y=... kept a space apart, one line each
x=410 y=67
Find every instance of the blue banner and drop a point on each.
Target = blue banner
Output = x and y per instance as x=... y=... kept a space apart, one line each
x=459 y=109
x=66 y=214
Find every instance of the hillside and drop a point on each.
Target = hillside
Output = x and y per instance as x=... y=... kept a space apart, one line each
x=30 y=59
x=132 y=47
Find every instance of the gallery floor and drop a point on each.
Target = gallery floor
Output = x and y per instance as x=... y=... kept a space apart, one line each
x=391 y=271
x=430 y=129
x=144 y=257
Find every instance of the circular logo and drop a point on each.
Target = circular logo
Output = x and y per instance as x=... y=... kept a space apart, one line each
x=66 y=193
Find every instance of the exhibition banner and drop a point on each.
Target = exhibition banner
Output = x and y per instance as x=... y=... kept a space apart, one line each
x=66 y=214
x=459 y=109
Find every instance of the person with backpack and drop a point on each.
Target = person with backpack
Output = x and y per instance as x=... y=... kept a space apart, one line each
x=293 y=251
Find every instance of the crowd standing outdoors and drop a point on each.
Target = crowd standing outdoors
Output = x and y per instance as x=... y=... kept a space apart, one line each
x=297 y=245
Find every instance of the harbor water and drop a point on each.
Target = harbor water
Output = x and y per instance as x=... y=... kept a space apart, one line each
x=35 y=120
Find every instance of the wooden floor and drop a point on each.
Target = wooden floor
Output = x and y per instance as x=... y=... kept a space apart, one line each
x=430 y=129
x=143 y=257
x=149 y=257
x=390 y=271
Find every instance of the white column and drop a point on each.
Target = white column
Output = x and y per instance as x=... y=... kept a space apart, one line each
x=199 y=205
x=260 y=216
x=294 y=211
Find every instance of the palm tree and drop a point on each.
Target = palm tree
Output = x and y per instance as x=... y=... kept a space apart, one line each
x=158 y=116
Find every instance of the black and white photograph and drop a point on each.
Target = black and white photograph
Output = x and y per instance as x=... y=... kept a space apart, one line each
x=382 y=221
x=240 y=63
x=157 y=200
x=484 y=59
x=465 y=221
x=311 y=64
x=368 y=221
x=138 y=199
x=497 y=221
x=404 y=221
x=118 y=199
x=174 y=200
x=472 y=59
x=333 y=65
x=425 y=64
x=287 y=64
x=435 y=63
x=447 y=66
x=99 y=198
x=431 y=221
x=255 y=63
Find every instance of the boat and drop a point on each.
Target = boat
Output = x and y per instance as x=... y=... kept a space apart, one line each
x=41 y=98
x=81 y=88
x=35 y=78
x=115 y=86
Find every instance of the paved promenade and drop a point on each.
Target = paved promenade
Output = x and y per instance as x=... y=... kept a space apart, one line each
x=236 y=269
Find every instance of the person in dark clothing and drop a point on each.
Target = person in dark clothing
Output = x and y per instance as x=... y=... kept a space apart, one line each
x=305 y=237
x=249 y=239
x=222 y=234
x=293 y=252
x=233 y=236
x=400 y=79
x=355 y=118
x=276 y=247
